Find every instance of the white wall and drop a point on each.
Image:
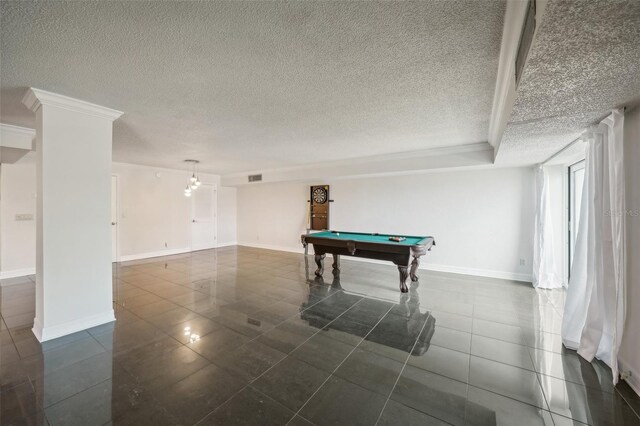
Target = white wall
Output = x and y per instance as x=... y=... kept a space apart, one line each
x=227 y=215
x=482 y=220
x=629 y=358
x=152 y=211
x=17 y=238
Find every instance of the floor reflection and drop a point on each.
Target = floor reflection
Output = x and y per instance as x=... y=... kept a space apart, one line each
x=407 y=328
x=241 y=335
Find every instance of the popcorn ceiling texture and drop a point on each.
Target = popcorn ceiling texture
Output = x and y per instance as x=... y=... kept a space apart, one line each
x=254 y=85
x=585 y=61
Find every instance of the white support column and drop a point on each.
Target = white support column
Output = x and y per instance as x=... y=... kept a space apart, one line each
x=73 y=248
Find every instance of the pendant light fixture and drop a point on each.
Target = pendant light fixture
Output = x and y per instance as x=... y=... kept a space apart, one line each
x=193 y=182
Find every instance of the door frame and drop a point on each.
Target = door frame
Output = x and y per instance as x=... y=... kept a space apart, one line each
x=117 y=176
x=214 y=208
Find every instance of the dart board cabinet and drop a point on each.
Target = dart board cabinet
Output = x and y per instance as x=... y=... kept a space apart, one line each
x=319 y=207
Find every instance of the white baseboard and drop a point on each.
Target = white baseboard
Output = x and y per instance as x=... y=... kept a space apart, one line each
x=17 y=273
x=634 y=379
x=425 y=265
x=228 y=244
x=503 y=275
x=52 y=332
x=273 y=247
x=148 y=255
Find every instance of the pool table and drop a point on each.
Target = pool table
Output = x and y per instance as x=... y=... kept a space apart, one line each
x=371 y=246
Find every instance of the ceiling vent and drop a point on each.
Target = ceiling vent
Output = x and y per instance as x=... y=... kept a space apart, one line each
x=255 y=178
x=526 y=38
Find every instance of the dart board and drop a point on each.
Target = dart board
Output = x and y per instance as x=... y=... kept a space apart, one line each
x=319 y=207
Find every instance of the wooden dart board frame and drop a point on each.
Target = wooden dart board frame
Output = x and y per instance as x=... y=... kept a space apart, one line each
x=319 y=207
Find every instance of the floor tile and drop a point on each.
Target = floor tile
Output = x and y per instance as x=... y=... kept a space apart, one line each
x=241 y=335
x=496 y=330
x=443 y=361
x=370 y=371
x=18 y=404
x=501 y=351
x=74 y=378
x=506 y=380
x=367 y=311
x=452 y=339
x=346 y=331
x=432 y=394
x=192 y=329
x=167 y=368
x=339 y=402
x=249 y=408
x=291 y=382
x=573 y=368
x=323 y=352
x=587 y=405
x=250 y=360
x=89 y=407
x=486 y=408
x=299 y=421
x=217 y=342
x=397 y=414
x=287 y=336
x=197 y=395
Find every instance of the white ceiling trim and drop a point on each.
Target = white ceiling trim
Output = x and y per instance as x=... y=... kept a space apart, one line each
x=478 y=154
x=16 y=137
x=34 y=98
x=505 y=91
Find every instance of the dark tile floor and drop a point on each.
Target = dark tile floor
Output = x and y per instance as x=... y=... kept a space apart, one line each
x=241 y=336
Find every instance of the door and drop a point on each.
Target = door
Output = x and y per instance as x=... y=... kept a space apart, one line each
x=203 y=217
x=576 y=183
x=114 y=218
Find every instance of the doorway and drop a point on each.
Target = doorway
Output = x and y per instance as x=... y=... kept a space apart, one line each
x=576 y=184
x=114 y=218
x=204 y=217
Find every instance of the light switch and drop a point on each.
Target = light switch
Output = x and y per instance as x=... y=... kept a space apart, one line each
x=24 y=216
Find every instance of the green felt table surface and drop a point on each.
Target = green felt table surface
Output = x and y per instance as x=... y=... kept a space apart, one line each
x=371 y=238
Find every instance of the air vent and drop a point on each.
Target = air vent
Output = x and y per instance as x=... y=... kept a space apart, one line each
x=255 y=178
x=526 y=38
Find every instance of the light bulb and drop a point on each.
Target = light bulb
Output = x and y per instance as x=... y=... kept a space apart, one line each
x=194 y=186
x=193 y=178
x=198 y=183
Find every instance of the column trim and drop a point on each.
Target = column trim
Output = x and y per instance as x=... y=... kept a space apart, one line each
x=35 y=98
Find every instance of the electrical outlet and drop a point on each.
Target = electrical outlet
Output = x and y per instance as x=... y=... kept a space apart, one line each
x=24 y=216
x=522 y=262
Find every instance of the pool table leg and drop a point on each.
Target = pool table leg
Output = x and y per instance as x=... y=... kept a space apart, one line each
x=319 y=258
x=336 y=262
x=414 y=268
x=403 y=278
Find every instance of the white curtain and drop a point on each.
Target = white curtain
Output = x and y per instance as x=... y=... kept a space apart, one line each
x=545 y=271
x=595 y=309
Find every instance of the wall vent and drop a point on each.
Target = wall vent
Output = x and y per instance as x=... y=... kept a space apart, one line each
x=255 y=178
x=526 y=38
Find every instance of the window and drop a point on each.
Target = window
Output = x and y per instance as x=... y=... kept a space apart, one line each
x=576 y=183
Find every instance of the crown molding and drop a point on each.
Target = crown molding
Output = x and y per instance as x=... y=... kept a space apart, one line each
x=17 y=130
x=35 y=98
x=16 y=137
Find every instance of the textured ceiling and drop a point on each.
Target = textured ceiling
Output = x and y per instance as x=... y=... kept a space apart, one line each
x=253 y=85
x=584 y=62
